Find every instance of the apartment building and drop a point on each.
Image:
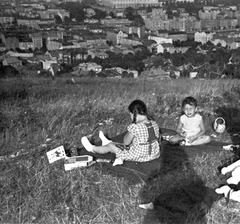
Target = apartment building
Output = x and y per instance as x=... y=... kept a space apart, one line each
x=130 y=3
x=192 y=24
x=160 y=13
x=37 y=40
x=11 y=40
x=6 y=18
x=203 y=37
x=44 y=14
x=26 y=44
x=208 y=14
x=29 y=22
x=53 y=45
x=130 y=29
x=156 y=23
x=115 y=22
x=116 y=37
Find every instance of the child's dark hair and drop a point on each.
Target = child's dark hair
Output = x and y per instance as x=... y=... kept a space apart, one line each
x=189 y=100
x=138 y=107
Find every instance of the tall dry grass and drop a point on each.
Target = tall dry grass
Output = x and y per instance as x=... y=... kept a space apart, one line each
x=35 y=110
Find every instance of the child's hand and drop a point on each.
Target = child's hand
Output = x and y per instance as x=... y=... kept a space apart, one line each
x=183 y=134
x=191 y=139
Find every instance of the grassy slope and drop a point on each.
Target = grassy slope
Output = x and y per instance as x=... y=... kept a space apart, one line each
x=35 y=110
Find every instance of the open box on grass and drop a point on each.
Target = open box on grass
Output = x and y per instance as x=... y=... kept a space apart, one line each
x=78 y=161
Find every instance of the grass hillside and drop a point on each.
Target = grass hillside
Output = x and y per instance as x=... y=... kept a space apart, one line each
x=37 y=115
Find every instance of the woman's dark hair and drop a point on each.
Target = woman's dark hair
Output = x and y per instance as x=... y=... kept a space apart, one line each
x=189 y=100
x=138 y=107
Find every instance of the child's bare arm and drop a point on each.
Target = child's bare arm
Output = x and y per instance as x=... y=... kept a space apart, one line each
x=127 y=140
x=202 y=127
x=179 y=128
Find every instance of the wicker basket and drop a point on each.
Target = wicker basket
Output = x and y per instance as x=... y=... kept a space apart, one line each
x=219 y=125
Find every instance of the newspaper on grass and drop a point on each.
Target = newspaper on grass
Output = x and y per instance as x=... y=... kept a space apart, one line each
x=56 y=154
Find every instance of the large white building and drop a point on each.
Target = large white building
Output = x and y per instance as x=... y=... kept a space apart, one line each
x=203 y=37
x=184 y=0
x=129 y=3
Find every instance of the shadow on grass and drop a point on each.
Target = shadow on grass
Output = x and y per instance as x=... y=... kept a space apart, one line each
x=232 y=118
x=183 y=196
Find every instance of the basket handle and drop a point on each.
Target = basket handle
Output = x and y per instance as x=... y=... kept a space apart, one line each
x=221 y=119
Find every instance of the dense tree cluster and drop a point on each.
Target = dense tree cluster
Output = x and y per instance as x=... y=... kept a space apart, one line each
x=218 y=59
x=133 y=16
x=129 y=61
x=76 y=10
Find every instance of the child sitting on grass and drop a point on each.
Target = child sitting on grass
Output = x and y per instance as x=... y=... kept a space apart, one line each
x=141 y=142
x=190 y=129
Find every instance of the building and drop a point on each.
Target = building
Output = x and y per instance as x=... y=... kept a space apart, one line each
x=2 y=47
x=37 y=40
x=60 y=12
x=191 y=1
x=203 y=37
x=12 y=61
x=131 y=29
x=115 y=22
x=160 y=13
x=90 y=67
x=53 y=45
x=11 y=43
x=6 y=19
x=216 y=41
x=130 y=3
x=116 y=37
x=235 y=44
x=26 y=44
x=208 y=14
x=95 y=53
x=154 y=23
x=160 y=40
x=29 y=22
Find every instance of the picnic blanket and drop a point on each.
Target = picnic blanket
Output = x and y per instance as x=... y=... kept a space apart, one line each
x=171 y=156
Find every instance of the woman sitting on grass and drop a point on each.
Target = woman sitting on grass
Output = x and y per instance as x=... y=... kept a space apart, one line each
x=190 y=129
x=141 y=142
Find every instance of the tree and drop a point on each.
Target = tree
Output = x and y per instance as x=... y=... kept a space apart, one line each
x=89 y=2
x=149 y=9
x=99 y=14
x=91 y=73
x=177 y=59
x=75 y=9
x=124 y=74
x=58 y=19
x=8 y=71
x=112 y=14
x=109 y=43
x=138 y=20
x=67 y=19
x=130 y=13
